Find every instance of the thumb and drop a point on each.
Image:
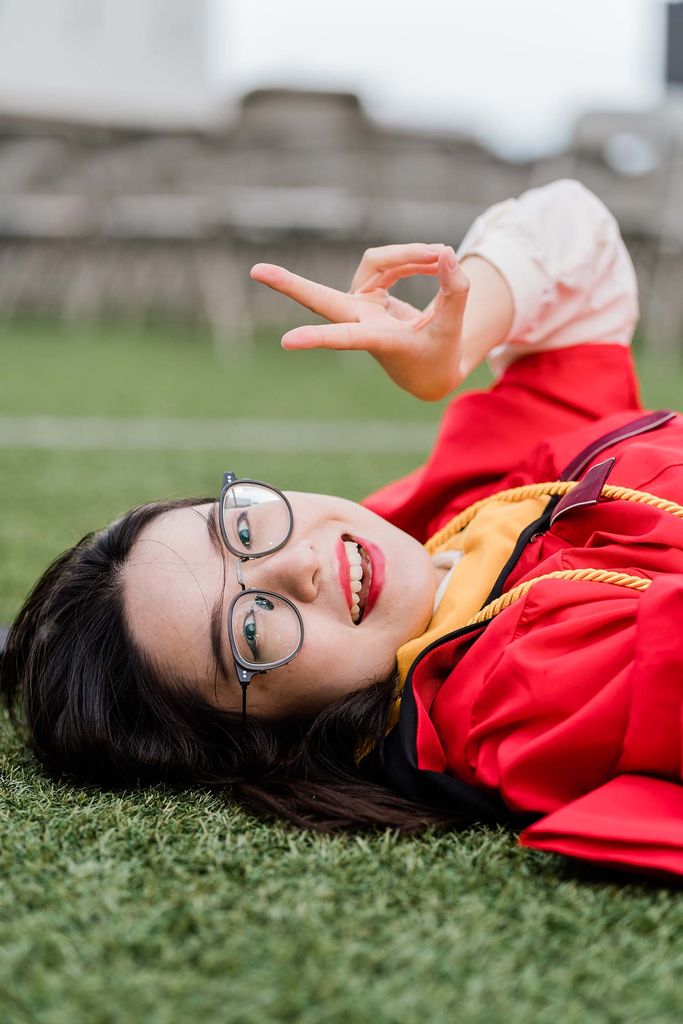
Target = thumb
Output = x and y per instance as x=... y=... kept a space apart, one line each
x=452 y=278
x=454 y=286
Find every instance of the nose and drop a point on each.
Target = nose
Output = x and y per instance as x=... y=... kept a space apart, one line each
x=293 y=571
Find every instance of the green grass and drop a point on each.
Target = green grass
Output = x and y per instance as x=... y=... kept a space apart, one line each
x=153 y=371
x=162 y=907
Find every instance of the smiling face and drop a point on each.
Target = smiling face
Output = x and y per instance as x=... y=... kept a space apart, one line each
x=180 y=576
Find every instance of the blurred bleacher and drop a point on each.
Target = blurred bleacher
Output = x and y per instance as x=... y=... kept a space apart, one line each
x=112 y=222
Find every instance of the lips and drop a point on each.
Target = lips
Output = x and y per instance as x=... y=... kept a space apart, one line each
x=378 y=563
x=344 y=579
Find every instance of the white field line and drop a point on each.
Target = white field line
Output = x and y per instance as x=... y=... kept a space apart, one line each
x=343 y=437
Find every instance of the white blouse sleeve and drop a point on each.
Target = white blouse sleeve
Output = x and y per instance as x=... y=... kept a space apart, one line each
x=571 y=277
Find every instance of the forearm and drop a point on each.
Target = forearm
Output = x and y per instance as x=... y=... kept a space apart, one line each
x=489 y=312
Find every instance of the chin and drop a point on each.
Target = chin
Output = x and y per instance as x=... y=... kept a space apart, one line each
x=422 y=602
x=424 y=623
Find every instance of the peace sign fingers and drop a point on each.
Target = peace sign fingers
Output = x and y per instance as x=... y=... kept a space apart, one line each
x=338 y=307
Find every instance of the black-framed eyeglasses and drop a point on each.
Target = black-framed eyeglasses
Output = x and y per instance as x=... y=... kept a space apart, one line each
x=264 y=628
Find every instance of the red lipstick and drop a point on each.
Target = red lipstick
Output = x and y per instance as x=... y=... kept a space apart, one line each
x=378 y=563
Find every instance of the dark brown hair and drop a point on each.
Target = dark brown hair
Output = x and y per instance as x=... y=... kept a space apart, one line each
x=95 y=708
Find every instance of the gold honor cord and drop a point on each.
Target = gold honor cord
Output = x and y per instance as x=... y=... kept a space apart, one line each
x=617 y=579
x=550 y=490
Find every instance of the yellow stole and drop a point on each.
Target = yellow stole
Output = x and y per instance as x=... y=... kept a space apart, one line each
x=486 y=542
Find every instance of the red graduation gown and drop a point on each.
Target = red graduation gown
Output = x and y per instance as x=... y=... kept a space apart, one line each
x=565 y=708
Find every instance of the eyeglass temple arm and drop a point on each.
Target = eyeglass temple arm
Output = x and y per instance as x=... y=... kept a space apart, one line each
x=244 y=677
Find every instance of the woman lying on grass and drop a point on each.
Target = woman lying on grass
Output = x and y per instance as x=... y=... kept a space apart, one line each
x=496 y=637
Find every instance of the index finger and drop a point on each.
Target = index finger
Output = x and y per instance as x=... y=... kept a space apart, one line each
x=328 y=302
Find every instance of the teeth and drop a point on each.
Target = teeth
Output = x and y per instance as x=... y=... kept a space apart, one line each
x=352 y=553
x=355 y=576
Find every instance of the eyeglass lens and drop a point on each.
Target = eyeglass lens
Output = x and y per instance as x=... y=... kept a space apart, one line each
x=265 y=629
x=256 y=519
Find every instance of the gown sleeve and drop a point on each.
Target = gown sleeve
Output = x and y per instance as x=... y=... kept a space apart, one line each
x=571 y=277
x=576 y=305
x=570 y=703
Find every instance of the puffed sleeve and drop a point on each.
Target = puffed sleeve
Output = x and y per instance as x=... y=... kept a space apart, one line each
x=572 y=279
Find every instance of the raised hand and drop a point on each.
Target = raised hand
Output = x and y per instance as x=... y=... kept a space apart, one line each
x=419 y=349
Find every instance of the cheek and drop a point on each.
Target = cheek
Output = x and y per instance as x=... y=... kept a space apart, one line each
x=332 y=663
x=341 y=661
x=331 y=666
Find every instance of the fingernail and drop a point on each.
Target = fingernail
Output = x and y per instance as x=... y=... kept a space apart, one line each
x=258 y=268
x=450 y=258
x=436 y=246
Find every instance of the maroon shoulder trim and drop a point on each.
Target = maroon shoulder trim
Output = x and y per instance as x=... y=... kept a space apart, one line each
x=585 y=493
x=650 y=421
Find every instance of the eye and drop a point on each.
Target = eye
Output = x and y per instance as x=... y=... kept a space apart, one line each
x=263 y=602
x=250 y=634
x=244 y=530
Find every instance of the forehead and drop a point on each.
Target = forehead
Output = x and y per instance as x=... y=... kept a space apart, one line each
x=174 y=544
x=172 y=580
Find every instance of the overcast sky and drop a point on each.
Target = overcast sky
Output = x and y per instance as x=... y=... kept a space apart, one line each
x=514 y=71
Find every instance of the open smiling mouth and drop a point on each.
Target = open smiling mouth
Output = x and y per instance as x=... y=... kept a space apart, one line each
x=360 y=576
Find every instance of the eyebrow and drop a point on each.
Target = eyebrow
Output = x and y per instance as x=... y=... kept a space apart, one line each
x=216 y=627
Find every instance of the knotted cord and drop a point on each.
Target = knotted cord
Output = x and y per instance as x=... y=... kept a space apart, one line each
x=550 y=490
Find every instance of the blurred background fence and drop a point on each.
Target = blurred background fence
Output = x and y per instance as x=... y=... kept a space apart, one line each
x=139 y=215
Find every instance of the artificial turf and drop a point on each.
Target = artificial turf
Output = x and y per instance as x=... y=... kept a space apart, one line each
x=168 y=907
